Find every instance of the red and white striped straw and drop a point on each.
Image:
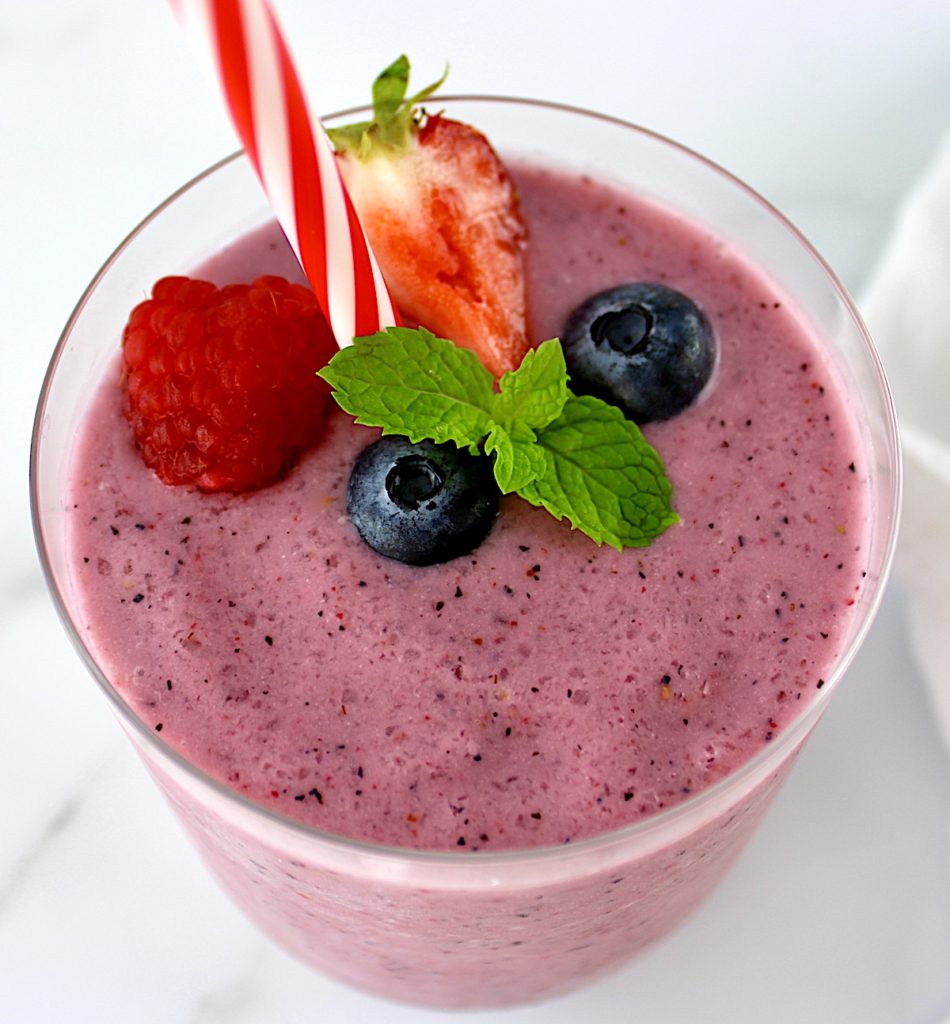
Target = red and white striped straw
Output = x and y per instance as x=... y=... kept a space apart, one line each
x=242 y=49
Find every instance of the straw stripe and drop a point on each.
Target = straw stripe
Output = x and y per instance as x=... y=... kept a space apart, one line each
x=235 y=79
x=286 y=144
x=365 y=305
x=317 y=170
x=308 y=188
x=195 y=20
x=385 y=308
x=269 y=111
x=340 y=283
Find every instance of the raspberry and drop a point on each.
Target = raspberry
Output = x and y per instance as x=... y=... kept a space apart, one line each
x=221 y=386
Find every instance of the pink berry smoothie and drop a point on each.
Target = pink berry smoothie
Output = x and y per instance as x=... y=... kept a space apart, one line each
x=541 y=689
x=534 y=693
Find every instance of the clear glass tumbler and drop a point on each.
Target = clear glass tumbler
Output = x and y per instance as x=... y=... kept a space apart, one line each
x=474 y=929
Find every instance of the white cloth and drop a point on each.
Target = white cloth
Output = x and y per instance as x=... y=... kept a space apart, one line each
x=907 y=309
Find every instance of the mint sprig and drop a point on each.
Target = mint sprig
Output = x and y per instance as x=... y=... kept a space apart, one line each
x=578 y=457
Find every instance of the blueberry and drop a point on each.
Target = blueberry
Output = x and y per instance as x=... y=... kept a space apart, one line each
x=643 y=347
x=421 y=503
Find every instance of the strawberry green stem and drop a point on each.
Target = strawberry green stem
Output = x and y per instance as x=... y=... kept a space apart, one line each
x=395 y=118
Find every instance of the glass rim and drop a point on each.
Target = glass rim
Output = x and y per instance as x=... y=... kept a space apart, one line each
x=772 y=752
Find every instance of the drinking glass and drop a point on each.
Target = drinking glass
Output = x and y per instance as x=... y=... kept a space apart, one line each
x=476 y=928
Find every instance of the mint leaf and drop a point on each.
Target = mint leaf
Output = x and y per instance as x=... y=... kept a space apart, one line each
x=518 y=459
x=534 y=394
x=411 y=382
x=602 y=476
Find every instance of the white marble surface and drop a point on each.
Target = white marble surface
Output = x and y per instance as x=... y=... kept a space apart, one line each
x=840 y=909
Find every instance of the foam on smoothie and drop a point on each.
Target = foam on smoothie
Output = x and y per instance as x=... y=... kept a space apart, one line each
x=541 y=689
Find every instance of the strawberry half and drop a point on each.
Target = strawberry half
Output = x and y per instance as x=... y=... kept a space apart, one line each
x=442 y=216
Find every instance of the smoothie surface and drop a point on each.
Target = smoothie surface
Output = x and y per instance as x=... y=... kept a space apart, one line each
x=540 y=689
